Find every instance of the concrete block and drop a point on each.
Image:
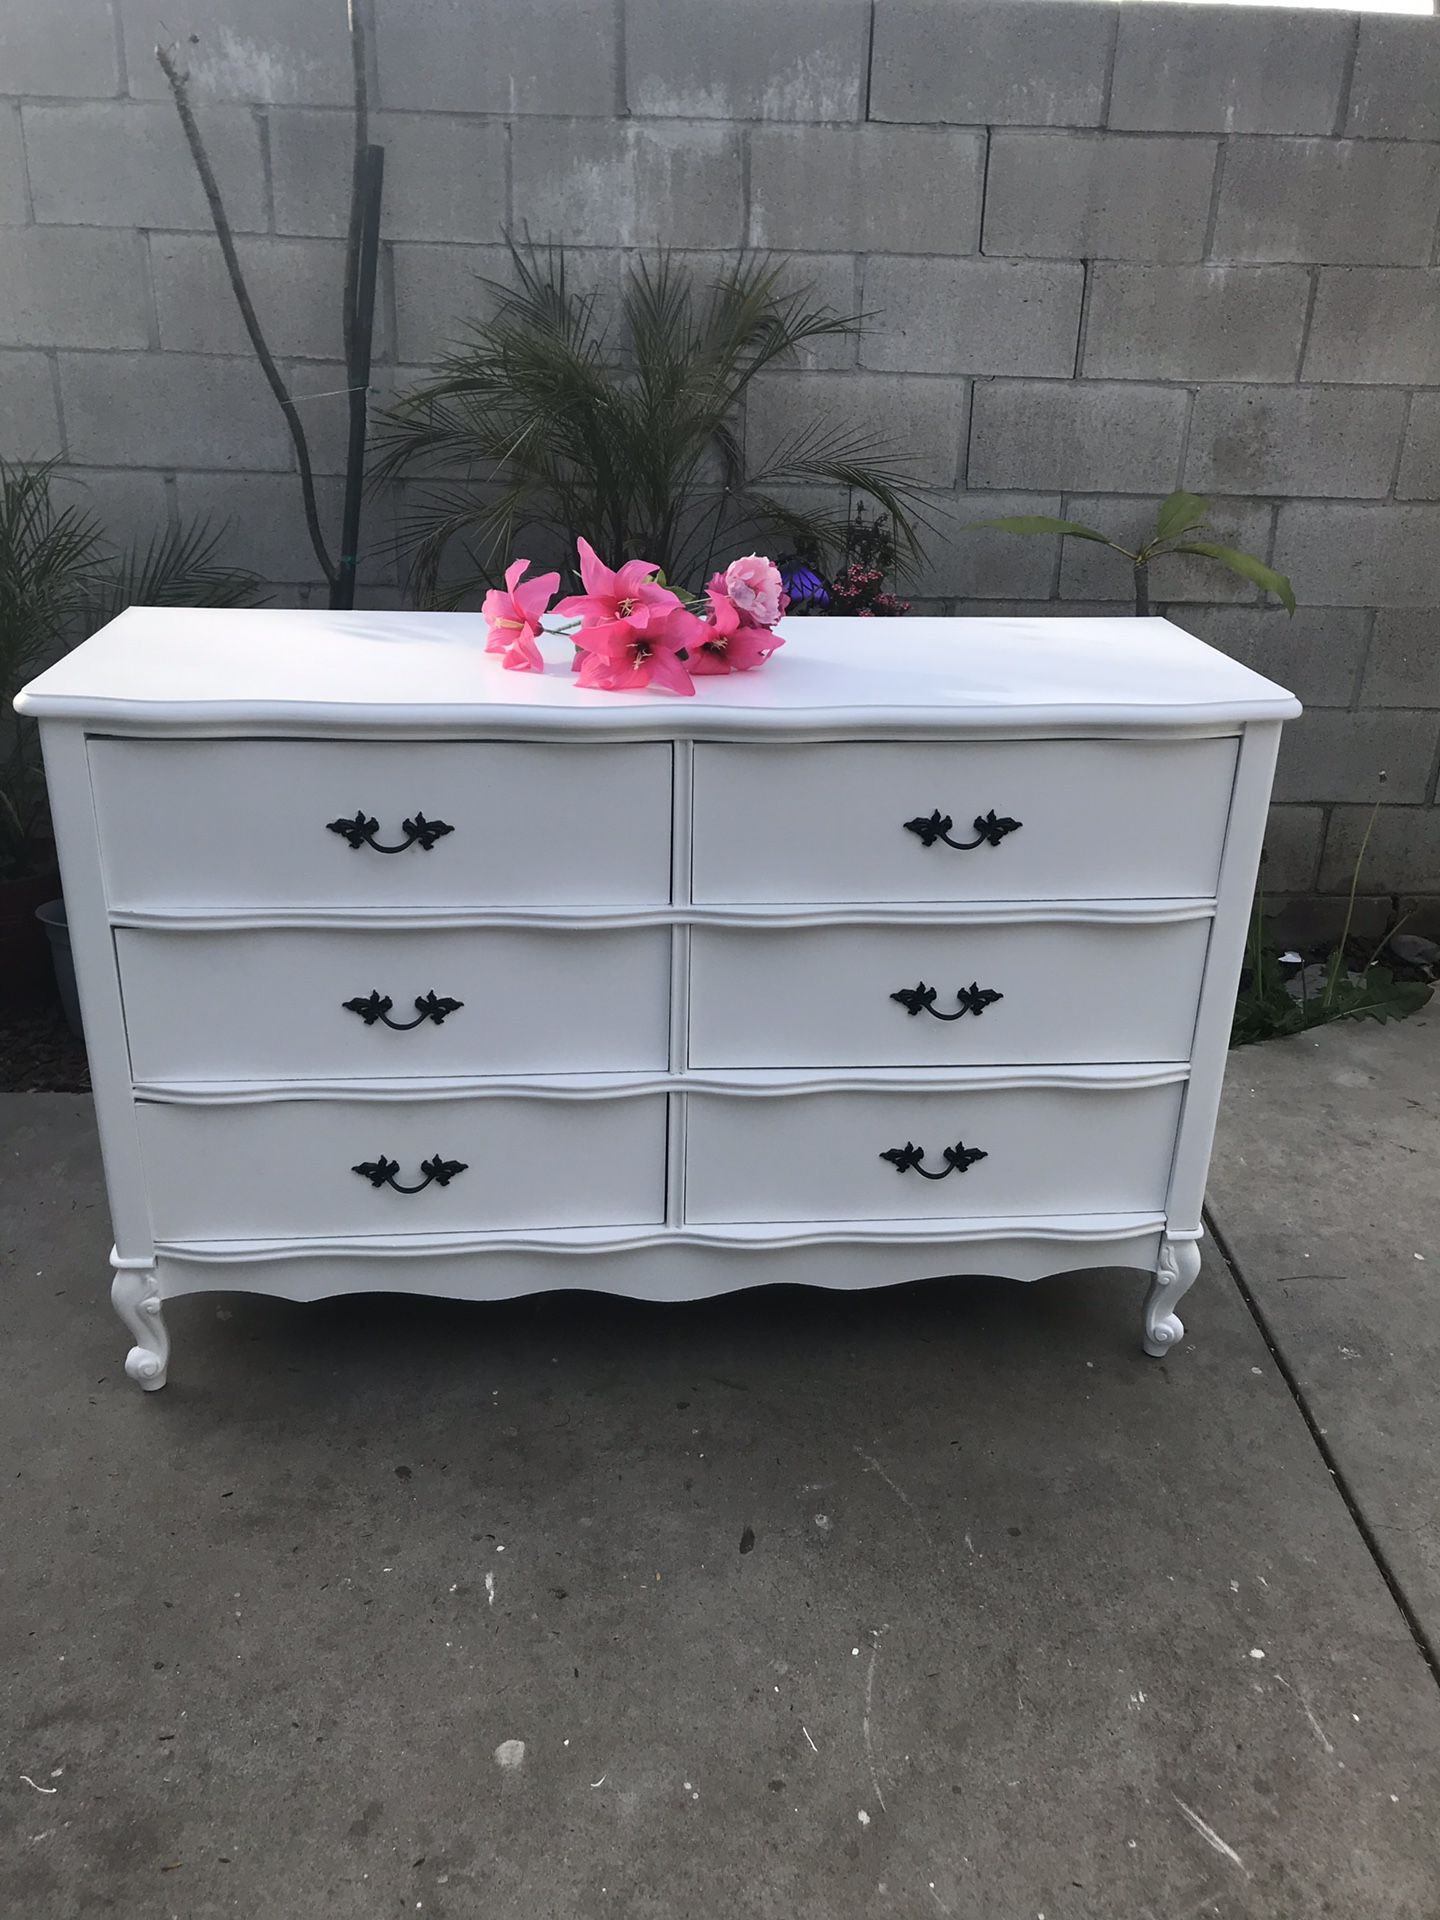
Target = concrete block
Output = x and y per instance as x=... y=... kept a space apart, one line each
x=1106 y=196
x=438 y=291
x=1317 y=654
x=264 y=524
x=41 y=53
x=1419 y=477
x=1090 y=572
x=1067 y=434
x=1351 y=202
x=14 y=211
x=1402 y=853
x=594 y=183
x=1328 y=754
x=492 y=56
x=967 y=563
x=1195 y=323
x=1403 y=667
x=747 y=60
x=1033 y=63
x=265 y=50
x=1360 y=556
x=129 y=505
x=1292 y=850
x=1375 y=325
x=972 y=316
x=1228 y=70
x=71 y=287
x=444 y=176
x=1395 y=89
x=170 y=410
x=917 y=424
x=867 y=189
x=297 y=287
x=124 y=163
x=27 y=407
x=1272 y=439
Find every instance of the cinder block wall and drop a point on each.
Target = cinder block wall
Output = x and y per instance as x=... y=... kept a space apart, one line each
x=1109 y=250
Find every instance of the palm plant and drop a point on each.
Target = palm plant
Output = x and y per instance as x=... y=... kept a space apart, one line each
x=548 y=423
x=59 y=581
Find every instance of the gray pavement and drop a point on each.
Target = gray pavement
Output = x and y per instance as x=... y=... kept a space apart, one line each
x=942 y=1600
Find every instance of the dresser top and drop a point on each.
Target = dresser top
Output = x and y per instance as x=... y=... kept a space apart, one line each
x=320 y=672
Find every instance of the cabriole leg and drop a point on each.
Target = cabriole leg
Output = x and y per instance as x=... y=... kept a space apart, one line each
x=136 y=1299
x=1175 y=1274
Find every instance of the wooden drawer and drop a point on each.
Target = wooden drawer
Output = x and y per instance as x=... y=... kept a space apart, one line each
x=1047 y=1150
x=1097 y=819
x=187 y=825
x=285 y=1168
x=826 y=996
x=305 y=1004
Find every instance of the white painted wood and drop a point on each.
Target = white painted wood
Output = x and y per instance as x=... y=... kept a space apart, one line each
x=271 y=1005
x=285 y=1168
x=1099 y=819
x=824 y=998
x=818 y=1157
x=676 y=926
x=243 y=823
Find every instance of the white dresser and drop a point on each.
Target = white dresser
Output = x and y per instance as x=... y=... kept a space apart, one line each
x=912 y=954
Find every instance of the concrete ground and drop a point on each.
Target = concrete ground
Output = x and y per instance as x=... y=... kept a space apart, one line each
x=942 y=1600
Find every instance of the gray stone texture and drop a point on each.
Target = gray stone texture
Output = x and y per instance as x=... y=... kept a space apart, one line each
x=296 y=287
x=747 y=59
x=630 y=184
x=918 y=424
x=1018 y=62
x=1395 y=90
x=1228 y=70
x=1361 y=555
x=972 y=316
x=1195 y=323
x=1377 y=326
x=1331 y=755
x=444 y=174
x=266 y=527
x=1402 y=854
x=1295 y=440
x=875 y=189
x=967 y=561
x=31 y=429
x=14 y=211
x=1101 y=196
x=268 y=51
x=437 y=290
x=170 y=410
x=128 y=504
x=1292 y=850
x=1419 y=476
x=1091 y=572
x=492 y=56
x=76 y=57
x=1341 y=202
x=1317 y=653
x=1083 y=436
x=124 y=163
x=72 y=287
x=1403 y=665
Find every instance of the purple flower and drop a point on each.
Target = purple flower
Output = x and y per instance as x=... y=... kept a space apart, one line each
x=804 y=586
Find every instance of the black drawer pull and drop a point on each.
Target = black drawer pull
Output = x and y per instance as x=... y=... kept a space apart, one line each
x=958 y=1159
x=989 y=831
x=428 y=1006
x=973 y=999
x=382 y=1172
x=419 y=832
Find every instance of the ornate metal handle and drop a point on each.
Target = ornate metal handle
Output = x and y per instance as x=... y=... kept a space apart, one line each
x=361 y=831
x=973 y=999
x=958 y=1159
x=382 y=1172
x=428 y=1006
x=989 y=831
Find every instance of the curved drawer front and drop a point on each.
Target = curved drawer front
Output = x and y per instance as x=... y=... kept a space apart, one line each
x=188 y=825
x=310 y=1004
x=819 y=1156
x=286 y=1168
x=1027 y=820
x=1024 y=995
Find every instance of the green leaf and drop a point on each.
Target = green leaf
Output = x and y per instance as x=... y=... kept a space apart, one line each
x=1247 y=566
x=1038 y=523
x=1181 y=513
